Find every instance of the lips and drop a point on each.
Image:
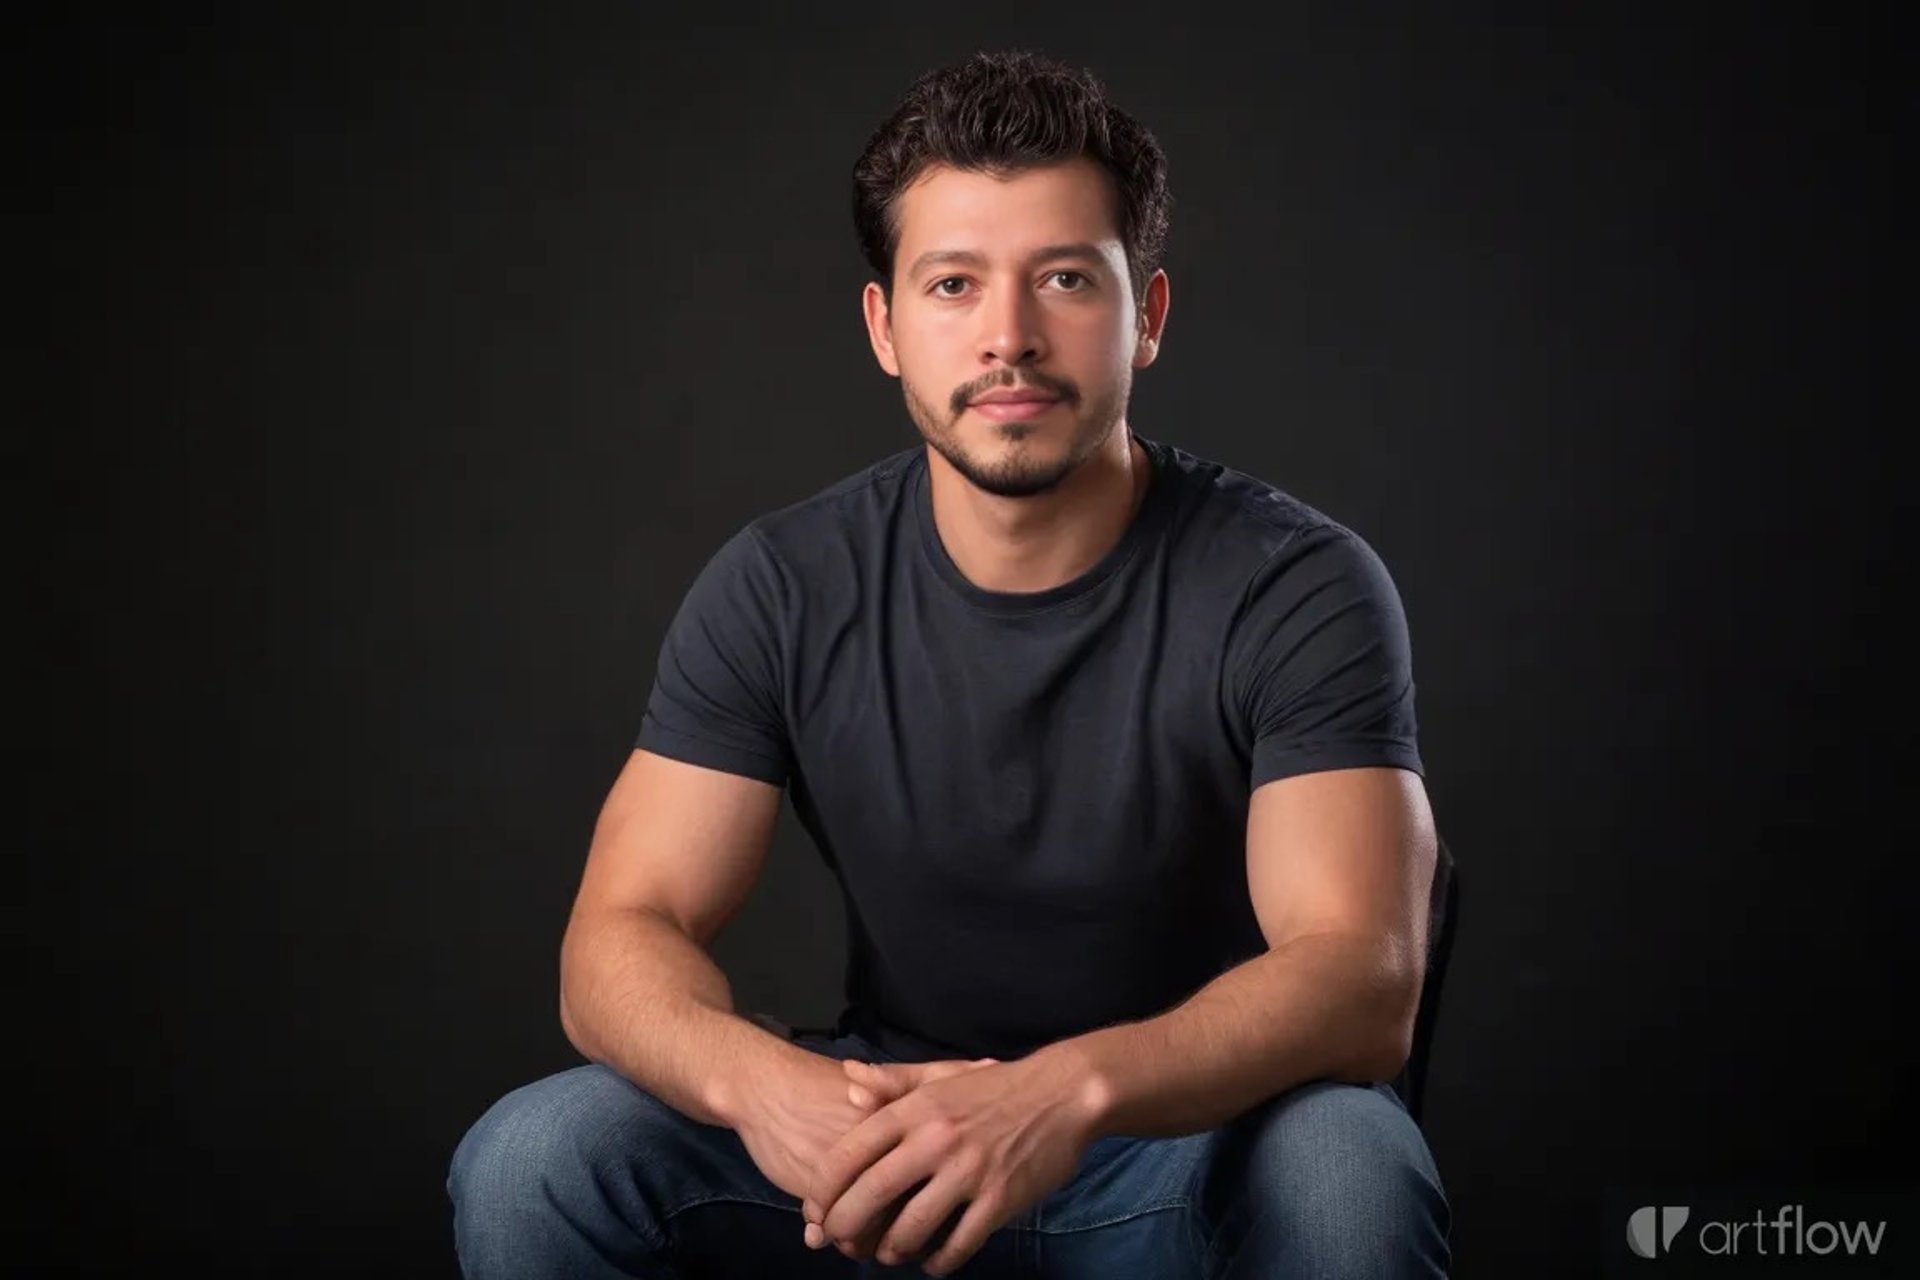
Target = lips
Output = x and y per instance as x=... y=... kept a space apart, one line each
x=1010 y=409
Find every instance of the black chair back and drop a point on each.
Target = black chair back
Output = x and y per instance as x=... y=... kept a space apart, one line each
x=1443 y=908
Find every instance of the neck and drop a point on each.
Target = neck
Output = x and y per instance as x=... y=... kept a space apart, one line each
x=1039 y=542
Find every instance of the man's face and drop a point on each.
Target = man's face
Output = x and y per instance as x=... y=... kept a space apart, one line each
x=1016 y=286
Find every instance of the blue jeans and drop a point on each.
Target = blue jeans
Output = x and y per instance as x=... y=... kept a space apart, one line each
x=583 y=1174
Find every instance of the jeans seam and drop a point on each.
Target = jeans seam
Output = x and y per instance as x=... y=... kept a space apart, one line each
x=1178 y=1203
x=728 y=1198
x=1202 y=1240
x=654 y=1237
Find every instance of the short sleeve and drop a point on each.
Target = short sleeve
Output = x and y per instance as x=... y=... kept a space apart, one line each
x=716 y=698
x=1320 y=664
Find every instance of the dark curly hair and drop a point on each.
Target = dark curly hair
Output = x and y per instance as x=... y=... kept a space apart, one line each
x=1000 y=113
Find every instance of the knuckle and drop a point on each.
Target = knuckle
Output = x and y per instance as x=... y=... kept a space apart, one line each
x=941 y=1131
x=902 y=1242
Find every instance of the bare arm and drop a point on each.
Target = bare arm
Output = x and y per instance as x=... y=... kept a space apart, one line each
x=1339 y=864
x=675 y=852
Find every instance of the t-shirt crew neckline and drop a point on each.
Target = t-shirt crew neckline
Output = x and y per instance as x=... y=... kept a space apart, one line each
x=1138 y=530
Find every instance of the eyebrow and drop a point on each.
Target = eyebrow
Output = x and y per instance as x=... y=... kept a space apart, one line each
x=1084 y=250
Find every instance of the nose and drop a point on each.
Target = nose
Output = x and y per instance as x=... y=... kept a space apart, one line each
x=1011 y=330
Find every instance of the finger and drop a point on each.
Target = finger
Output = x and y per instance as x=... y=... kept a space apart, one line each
x=869 y=1241
x=944 y=1232
x=982 y=1219
x=890 y=1081
x=926 y=1221
x=880 y=1082
x=868 y=1202
x=909 y=1075
x=847 y=1159
x=948 y=1065
x=943 y=1070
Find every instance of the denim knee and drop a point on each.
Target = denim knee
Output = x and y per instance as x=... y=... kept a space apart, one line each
x=1328 y=1179
x=549 y=1169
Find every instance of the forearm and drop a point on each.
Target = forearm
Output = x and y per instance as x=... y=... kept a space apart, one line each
x=639 y=995
x=1321 y=1007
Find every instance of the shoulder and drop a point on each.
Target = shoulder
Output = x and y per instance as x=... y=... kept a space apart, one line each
x=844 y=515
x=1243 y=524
x=815 y=536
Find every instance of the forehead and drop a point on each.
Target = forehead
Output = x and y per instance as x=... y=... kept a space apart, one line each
x=963 y=209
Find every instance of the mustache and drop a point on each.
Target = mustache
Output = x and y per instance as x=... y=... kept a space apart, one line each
x=1059 y=388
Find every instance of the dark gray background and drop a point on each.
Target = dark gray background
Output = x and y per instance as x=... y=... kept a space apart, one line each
x=385 y=380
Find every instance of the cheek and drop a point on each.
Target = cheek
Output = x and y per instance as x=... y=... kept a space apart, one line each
x=920 y=341
x=1097 y=336
x=934 y=358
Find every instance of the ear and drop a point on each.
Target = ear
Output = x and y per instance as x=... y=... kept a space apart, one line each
x=873 y=302
x=1152 y=321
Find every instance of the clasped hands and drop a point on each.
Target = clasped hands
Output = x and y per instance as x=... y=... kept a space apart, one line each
x=980 y=1141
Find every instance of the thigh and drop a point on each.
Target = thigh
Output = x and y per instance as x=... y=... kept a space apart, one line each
x=1128 y=1211
x=1332 y=1178
x=1328 y=1179
x=586 y=1172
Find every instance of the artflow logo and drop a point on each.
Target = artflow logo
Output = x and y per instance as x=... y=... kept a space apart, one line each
x=1652 y=1230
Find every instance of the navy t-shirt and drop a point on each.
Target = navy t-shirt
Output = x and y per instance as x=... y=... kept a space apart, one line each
x=1036 y=803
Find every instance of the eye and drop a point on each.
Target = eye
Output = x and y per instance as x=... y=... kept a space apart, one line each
x=1079 y=277
x=940 y=286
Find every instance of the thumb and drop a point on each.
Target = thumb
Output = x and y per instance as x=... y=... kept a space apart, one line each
x=878 y=1083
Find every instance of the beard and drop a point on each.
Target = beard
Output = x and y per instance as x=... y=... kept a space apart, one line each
x=1018 y=472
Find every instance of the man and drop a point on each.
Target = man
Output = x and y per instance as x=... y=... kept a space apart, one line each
x=1112 y=751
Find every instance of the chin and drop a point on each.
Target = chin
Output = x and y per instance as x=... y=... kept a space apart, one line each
x=1008 y=471
x=1023 y=482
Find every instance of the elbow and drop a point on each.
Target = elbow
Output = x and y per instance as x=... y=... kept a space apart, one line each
x=1377 y=1062
x=1384 y=1043
x=578 y=1035
x=569 y=1022
x=1390 y=1055
x=568 y=1027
